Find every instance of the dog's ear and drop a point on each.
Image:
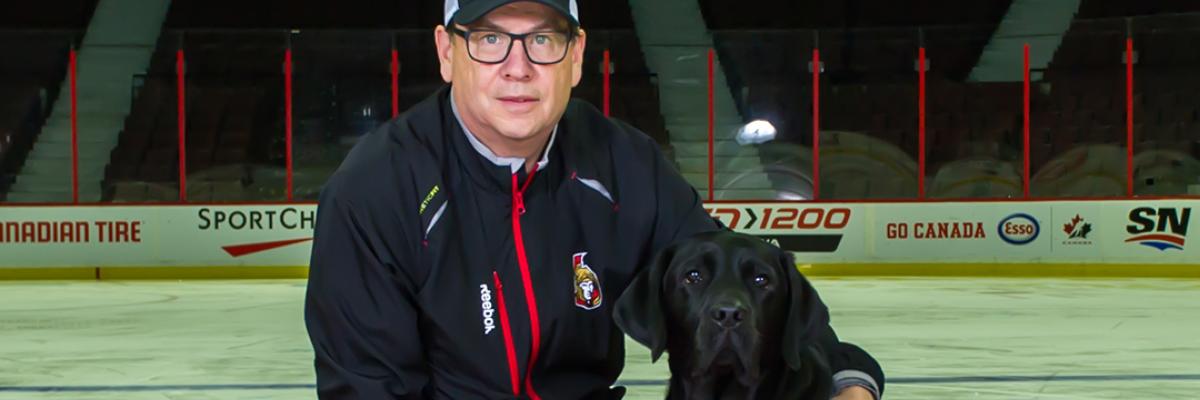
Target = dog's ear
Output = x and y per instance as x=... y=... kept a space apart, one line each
x=807 y=315
x=639 y=311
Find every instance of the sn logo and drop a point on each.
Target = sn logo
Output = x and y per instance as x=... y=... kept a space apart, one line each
x=1161 y=228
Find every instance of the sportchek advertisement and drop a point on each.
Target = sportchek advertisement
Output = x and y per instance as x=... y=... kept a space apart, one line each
x=1125 y=231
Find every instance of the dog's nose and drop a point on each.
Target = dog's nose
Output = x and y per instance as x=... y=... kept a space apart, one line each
x=727 y=316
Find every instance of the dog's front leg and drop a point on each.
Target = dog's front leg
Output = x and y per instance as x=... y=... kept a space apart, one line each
x=699 y=388
x=705 y=388
x=736 y=391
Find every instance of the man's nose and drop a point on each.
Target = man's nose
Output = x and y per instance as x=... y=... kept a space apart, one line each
x=517 y=66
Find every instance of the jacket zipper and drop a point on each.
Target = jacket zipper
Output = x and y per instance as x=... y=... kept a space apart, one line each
x=508 y=340
x=518 y=209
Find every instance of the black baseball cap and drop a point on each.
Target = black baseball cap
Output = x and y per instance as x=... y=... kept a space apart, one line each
x=467 y=11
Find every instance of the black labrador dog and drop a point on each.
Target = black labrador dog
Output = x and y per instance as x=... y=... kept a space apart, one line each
x=737 y=318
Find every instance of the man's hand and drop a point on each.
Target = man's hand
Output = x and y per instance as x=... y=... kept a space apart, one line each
x=854 y=393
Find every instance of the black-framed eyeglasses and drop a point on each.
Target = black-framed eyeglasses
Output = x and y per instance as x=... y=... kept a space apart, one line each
x=492 y=47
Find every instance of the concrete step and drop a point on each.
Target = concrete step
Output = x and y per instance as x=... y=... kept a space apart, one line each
x=669 y=22
x=59 y=178
x=738 y=194
x=730 y=180
x=21 y=196
x=126 y=22
x=52 y=193
x=698 y=131
x=64 y=163
x=16 y=197
x=697 y=114
x=42 y=184
x=62 y=151
x=683 y=83
x=63 y=120
x=720 y=148
x=111 y=97
x=699 y=164
x=85 y=139
x=45 y=168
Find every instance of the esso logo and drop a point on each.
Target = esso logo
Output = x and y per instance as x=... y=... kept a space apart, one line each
x=1019 y=229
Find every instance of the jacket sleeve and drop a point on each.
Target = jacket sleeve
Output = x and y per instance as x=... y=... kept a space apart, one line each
x=851 y=365
x=359 y=308
x=681 y=214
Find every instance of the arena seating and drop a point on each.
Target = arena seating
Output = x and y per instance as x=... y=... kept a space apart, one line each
x=1092 y=9
x=70 y=15
x=869 y=80
x=234 y=93
x=868 y=51
x=1086 y=101
x=869 y=85
x=341 y=57
x=35 y=38
x=809 y=14
x=19 y=109
x=633 y=97
x=303 y=14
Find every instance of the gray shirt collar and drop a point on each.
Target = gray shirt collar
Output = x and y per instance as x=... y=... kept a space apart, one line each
x=514 y=163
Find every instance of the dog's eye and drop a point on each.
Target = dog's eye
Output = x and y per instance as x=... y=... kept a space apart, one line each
x=761 y=281
x=692 y=277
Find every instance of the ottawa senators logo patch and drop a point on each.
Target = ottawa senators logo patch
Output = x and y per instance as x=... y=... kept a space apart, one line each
x=588 y=294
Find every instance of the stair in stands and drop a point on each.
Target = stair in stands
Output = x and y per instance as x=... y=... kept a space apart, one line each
x=676 y=41
x=120 y=40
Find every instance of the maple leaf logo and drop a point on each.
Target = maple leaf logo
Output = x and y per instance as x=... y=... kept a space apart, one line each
x=1083 y=231
x=1070 y=227
x=1075 y=230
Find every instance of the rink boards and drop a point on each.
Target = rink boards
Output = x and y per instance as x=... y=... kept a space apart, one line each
x=1052 y=238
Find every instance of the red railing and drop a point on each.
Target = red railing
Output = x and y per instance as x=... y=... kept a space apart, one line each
x=287 y=79
x=921 y=123
x=181 y=87
x=395 y=71
x=816 y=122
x=711 y=125
x=1025 y=125
x=74 y=128
x=607 y=94
x=1129 y=116
x=607 y=88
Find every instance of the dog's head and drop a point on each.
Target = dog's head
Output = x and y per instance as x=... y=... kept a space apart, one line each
x=727 y=301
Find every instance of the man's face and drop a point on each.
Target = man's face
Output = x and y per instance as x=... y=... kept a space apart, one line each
x=516 y=99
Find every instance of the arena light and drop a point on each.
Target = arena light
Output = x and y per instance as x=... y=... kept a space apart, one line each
x=789 y=196
x=756 y=132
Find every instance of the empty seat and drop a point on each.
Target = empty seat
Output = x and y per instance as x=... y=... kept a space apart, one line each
x=129 y=192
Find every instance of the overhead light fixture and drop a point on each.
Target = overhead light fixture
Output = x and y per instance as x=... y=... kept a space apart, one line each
x=756 y=132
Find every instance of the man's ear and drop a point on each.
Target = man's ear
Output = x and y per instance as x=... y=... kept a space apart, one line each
x=807 y=315
x=639 y=311
x=577 y=56
x=445 y=51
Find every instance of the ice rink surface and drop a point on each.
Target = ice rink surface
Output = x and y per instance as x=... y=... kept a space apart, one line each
x=936 y=338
